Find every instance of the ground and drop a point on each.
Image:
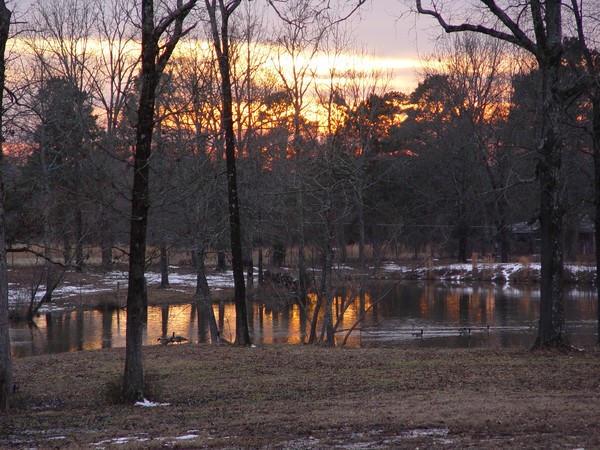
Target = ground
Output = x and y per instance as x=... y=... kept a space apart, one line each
x=302 y=397
x=305 y=397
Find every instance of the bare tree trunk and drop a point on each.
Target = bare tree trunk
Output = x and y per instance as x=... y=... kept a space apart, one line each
x=361 y=228
x=249 y=263
x=6 y=381
x=327 y=288
x=221 y=44
x=67 y=249
x=133 y=380
x=552 y=330
x=596 y=153
x=203 y=297
x=107 y=263
x=154 y=59
x=202 y=289
x=261 y=276
x=312 y=334
x=303 y=279
x=79 y=257
x=221 y=263
x=164 y=266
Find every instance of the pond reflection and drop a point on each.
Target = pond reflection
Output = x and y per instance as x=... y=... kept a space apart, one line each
x=406 y=314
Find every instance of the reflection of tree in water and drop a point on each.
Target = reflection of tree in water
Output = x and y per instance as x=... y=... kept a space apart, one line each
x=440 y=310
x=107 y=318
x=164 y=309
x=79 y=329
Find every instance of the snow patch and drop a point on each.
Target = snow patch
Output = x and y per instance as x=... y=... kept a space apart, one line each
x=148 y=404
x=120 y=441
x=186 y=437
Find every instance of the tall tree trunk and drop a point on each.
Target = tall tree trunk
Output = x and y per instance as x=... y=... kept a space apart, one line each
x=79 y=257
x=303 y=279
x=6 y=381
x=133 y=380
x=552 y=320
x=596 y=154
x=261 y=277
x=312 y=334
x=250 y=264
x=327 y=286
x=67 y=248
x=504 y=237
x=360 y=205
x=221 y=261
x=153 y=63
x=164 y=266
x=242 y=335
x=202 y=288
x=203 y=298
x=107 y=263
x=221 y=43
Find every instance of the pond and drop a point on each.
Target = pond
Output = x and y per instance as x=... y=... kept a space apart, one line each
x=395 y=314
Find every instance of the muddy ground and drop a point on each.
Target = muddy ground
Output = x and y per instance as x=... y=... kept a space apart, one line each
x=304 y=397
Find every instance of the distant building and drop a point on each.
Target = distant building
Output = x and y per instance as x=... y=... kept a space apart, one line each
x=579 y=238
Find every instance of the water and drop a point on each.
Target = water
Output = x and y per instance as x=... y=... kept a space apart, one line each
x=394 y=315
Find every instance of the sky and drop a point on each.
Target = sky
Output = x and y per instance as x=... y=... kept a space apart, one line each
x=384 y=29
x=396 y=38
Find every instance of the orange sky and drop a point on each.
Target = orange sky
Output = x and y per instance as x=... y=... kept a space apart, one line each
x=383 y=29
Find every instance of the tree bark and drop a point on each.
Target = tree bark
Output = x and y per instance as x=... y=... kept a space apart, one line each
x=107 y=263
x=552 y=318
x=221 y=44
x=6 y=380
x=202 y=297
x=79 y=257
x=327 y=283
x=133 y=380
x=596 y=153
x=164 y=266
x=153 y=61
x=202 y=288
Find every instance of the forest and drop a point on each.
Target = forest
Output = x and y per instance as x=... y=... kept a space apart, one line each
x=444 y=170
x=218 y=130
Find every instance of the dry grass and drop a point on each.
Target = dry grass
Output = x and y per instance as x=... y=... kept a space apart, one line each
x=307 y=397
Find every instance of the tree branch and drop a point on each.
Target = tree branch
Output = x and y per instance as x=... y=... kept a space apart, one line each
x=516 y=35
x=176 y=16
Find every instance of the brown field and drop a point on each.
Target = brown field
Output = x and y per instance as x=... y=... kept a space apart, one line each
x=303 y=397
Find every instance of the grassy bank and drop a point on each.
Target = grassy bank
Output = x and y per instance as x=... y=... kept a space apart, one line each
x=306 y=397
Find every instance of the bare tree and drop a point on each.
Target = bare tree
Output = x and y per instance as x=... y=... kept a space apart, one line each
x=219 y=23
x=6 y=383
x=112 y=76
x=155 y=56
x=297 y=46
x=591 y=68
x=535 y=26
x=306 y=25
x=60 y=43
x=475 y=91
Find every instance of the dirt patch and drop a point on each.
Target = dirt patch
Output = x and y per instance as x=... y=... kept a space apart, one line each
x=307 y=397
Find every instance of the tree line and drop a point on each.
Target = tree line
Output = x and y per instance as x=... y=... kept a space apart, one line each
x=141 y=128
